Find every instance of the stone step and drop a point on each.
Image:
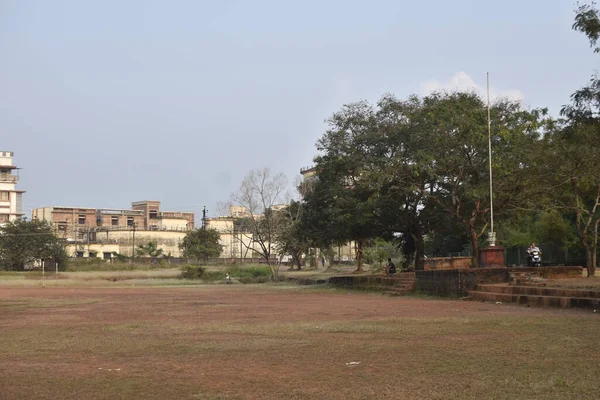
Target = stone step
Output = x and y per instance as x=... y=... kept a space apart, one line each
x=533 y=300
x=539 y=291
x=395 y=292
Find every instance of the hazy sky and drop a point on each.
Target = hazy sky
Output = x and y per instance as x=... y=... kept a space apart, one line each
x=109 y=102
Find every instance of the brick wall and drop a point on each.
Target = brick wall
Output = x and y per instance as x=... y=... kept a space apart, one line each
x=458 y=281
x=437 y=263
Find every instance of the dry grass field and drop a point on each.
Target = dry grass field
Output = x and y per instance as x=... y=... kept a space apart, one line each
x=286 y=342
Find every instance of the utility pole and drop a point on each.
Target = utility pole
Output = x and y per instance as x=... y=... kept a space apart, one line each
x=133 y=244
x=204 y=232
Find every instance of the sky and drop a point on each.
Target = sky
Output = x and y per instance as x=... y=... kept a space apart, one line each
x=109 y=102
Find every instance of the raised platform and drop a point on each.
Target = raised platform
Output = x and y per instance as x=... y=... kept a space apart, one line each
x=537 y=296
x=398 y=285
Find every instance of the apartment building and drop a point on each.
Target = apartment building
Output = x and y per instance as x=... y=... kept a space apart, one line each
x=99 y=232
x=11 y=199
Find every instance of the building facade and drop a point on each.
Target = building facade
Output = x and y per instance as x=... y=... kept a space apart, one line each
x=100 y=232
x=11 y=199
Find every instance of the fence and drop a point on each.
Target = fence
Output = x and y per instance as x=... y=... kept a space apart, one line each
x=550 y=256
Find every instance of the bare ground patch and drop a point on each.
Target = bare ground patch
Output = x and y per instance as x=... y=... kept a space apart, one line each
x=259 y=343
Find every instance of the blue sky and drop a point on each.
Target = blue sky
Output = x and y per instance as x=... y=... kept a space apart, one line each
x=108 y=102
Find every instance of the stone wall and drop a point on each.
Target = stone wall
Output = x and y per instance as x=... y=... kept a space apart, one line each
x=458 y=281
x=437 y=263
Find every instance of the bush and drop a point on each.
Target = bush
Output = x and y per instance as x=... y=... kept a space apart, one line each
x=213 y=275
x=193 y=272
x=251 y=274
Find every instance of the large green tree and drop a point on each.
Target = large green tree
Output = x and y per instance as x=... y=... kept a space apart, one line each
x=342 y=203
x=24 y=242
x=201 y=244
x=576 y=149
x=454 y=155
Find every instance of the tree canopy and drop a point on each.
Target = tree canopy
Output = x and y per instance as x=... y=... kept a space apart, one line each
x=22 y=243
x=201 y=244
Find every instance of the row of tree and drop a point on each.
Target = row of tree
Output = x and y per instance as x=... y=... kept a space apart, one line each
x=416 y=170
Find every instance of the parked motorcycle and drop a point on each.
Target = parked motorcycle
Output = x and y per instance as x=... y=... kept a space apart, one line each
x=534 y=258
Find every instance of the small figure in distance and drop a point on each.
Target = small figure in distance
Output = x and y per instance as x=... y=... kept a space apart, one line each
x=228 y=278
x=390 y=268
x=532 y=248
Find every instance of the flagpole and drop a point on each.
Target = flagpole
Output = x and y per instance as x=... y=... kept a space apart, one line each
x=492 y=234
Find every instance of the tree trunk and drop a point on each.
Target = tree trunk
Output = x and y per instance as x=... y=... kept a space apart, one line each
x=591 y=268
x=298 y=258
x=589 y=265
x=359 y=256
x=420 y=248
x=474 y=245
x=595 y=252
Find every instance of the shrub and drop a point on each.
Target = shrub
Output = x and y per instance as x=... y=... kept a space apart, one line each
x=192 y=272
x=213 y=275
x=251 y=274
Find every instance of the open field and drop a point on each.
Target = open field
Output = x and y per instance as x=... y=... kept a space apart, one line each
x=286 y=342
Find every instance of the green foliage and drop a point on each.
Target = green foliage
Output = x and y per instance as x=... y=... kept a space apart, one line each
x=553 y=229
x=121 y=258
x=201 y=243
x=252 y=274
x=587 y=21
x=290 y=237
x=192 y=272
x=149 y=249
x=24 y=242
x=405 y=168
x=243 y=274
x=380 y=250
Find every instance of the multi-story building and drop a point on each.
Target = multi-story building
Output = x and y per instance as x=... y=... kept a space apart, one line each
x=100 y=232
x=11 y=199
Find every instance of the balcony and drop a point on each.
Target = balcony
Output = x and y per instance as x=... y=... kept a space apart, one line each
x=9 y=179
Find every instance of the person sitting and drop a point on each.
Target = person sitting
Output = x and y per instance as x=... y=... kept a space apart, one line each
x=533 y=248
x=390 y=268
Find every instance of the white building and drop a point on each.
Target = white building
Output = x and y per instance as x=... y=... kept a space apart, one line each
x=11 y=199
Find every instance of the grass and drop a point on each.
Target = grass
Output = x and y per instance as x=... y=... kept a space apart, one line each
x=75 y=266
x=240 y=342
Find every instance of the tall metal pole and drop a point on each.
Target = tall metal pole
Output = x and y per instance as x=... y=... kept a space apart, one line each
x=492 y=234
x=204 y=232
x=133 y=244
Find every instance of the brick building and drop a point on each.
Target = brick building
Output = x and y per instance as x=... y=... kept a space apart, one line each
x=98 y=232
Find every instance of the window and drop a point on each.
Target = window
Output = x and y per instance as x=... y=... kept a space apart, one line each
x=62 y=226
x=129 y=221
x=4 y=196
x=114 y=220
x=153 y=213
x=93 y=254
x=107 y=255
x=79 y=254
x=81 y=219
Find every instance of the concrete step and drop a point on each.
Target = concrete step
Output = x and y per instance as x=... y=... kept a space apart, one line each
x=539 y=291
x=540 y=301
x=395 y=291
